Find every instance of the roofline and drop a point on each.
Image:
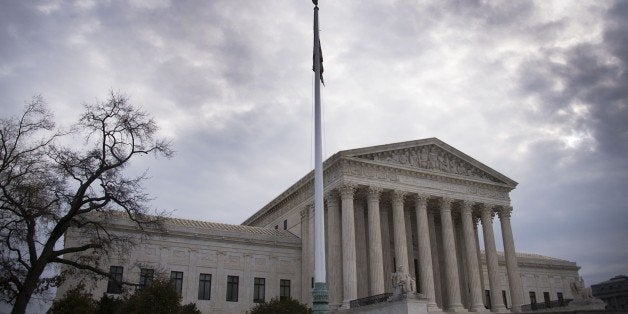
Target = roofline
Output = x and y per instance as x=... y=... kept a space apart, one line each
x=371 y=149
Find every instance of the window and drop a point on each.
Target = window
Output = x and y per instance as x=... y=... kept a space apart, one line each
x=176 y=278
x=232 y=288
x=204 y=286
x=259 y=285
x=115 y=279
x=487 y=296
x=312 y=282
x=561 y=300
x=284 y=289
x=533 y=300
x=546 y=298
x=146 y=277
x=276 y=227
x=285 y=224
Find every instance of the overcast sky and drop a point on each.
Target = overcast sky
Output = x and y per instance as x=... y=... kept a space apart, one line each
x=536 y=90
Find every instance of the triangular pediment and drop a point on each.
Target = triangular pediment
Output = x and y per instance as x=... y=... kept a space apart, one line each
x=430 y=155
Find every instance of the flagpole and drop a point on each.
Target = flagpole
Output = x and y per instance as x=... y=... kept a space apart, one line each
x=320 y=293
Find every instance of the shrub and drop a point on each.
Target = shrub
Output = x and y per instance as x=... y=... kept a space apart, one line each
x=277 y=306
x=75 y=301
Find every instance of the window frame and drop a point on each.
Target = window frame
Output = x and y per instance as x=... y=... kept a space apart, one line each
x=146 y=277
x=176 y=278
x=561 y=298
x=547 y=299
x=204 y=286
x=233 y=283
x=259 y=290
x=533 y=301
x=284 y=285
x=114 y=285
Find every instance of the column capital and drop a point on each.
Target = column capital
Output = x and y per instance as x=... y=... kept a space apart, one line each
x=445 y=203
x=398 y=195
x=347 y=190
x=305 y=212
x=486 y=213
x=466 y=206
x=447 y=200
x=504 y=212
x=374 y=192
x=331 y=193
x=421 y=199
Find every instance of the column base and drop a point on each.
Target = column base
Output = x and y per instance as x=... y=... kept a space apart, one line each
x=334 y=306
x=433 y=307
x=345 y=305
x=455 y=308
x=500 y=309
x=479 y=309
x=320 y=298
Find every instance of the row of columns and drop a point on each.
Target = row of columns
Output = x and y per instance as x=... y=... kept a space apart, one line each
x=341 y=229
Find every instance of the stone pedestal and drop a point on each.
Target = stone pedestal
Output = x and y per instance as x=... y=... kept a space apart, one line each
x=410 y=303
x=592 y=304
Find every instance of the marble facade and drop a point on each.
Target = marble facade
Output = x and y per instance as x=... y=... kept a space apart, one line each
x=418 y=205
x=421 y=205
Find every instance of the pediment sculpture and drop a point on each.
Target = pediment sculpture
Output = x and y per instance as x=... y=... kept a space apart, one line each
x=430 y=157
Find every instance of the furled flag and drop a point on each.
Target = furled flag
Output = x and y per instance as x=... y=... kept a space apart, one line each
x=320 y=52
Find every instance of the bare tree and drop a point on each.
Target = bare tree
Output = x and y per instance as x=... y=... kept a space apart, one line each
x=46 y=188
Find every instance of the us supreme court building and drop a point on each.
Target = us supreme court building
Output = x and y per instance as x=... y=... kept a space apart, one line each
x=419 y=207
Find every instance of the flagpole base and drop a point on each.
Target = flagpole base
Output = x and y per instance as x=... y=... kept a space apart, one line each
x=320 y=298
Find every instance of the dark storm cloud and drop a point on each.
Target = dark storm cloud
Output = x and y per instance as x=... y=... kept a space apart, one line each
x=582 y=89
x=594 y=75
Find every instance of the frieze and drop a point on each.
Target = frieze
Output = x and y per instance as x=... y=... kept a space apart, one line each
x=430 y=157
x=301 y=195
x=359 y=170
x=208 y=256
x=452 y=187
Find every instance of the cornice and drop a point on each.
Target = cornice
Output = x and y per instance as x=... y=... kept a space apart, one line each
x=335 y=167
x=329 y=166
x=222 y=237
x=373 y=171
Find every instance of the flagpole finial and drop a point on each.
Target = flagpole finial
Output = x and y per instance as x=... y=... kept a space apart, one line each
x=315 y=2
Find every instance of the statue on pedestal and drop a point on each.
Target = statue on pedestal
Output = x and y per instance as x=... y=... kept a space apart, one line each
x=403 y=284
x=583 y=297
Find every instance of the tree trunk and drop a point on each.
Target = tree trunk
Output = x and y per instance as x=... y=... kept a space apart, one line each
x=30 y=284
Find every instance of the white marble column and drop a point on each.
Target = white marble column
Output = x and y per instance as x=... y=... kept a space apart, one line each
x=475 y=293
x=334 y=268
x=409 y=245
x=436 y=260
x=514 y=280
x=384 y=220
x=497 y=304
x=426 y=272
x=305 y=238
x=361 y=251
x=349 y=276
x=451 y=263
x=399 y=229
x=476 y=221
x=376 y=261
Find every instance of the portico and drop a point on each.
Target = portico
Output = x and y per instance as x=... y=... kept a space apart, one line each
x=411 y=206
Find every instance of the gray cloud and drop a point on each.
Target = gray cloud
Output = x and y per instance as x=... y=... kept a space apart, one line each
x=533 y=89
